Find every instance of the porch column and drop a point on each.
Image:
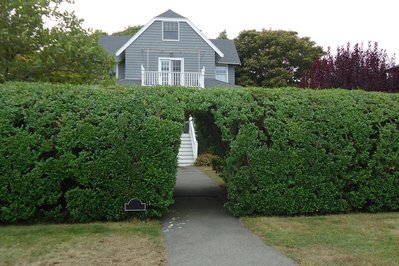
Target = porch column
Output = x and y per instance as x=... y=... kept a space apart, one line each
x=142 y=75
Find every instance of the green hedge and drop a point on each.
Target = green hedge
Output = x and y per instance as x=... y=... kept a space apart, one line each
x=72 y=153
x=79 y=153
x=316 y=152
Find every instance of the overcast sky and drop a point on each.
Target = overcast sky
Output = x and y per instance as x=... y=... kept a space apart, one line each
x=327 y=22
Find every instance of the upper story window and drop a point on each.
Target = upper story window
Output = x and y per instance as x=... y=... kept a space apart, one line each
x=221 y=73
x=170 y=31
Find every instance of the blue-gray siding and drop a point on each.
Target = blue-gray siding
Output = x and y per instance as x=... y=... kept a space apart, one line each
x=195 y=51
x=232 y=75
x=121 y=70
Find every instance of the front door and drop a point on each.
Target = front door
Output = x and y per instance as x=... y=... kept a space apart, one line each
x=170 y=71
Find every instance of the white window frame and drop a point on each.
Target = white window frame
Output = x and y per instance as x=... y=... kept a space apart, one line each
x=170 y=68
x=227 y=73
x=178 y=30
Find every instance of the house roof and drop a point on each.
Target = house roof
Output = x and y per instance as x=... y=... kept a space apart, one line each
x=112 y=43
x=229 y=50
x=172 y=17
x=170 y=14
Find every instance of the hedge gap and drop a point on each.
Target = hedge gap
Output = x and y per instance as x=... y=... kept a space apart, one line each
x=77 y=153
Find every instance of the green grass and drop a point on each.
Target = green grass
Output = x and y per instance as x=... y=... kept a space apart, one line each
x=135 y=243
x=348 y=239
x=212 y=174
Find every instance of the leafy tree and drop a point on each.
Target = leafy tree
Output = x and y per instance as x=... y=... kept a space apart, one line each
x=222 y=35
x=354 y=68
x=22 y=28
x=63 y=53
x=130 y=30
x=272 y=58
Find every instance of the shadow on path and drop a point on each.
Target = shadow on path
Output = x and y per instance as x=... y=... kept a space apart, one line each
x=200 y=231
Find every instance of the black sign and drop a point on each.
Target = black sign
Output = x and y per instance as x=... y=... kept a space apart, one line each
x=135 y=205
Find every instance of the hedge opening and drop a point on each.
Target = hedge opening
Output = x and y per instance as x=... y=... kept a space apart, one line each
x=77 y=153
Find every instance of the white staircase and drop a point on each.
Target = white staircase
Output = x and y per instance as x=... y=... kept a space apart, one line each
x=188 y=150
x=186 y=155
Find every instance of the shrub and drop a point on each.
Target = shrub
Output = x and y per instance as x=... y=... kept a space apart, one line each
x=78 y=152
x=204 y=159
x=217 y=163
x=354 y=68
x=316 y=152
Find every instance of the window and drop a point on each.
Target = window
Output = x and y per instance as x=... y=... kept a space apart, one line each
x=170 y=31
x=221 y=73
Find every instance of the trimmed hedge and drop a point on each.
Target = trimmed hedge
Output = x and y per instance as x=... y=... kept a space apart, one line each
x=79 y=153
x=292 y=151
x=316 y=152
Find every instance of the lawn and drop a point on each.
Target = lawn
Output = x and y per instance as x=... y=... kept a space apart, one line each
x=348 y=239
x=123 y=243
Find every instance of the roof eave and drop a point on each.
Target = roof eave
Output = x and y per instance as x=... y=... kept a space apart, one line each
x=134 y=37
x=228 y=63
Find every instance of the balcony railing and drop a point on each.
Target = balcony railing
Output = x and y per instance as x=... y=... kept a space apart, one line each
x=186 y=79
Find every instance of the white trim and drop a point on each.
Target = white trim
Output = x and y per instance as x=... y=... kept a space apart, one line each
x=198 y=31
x=116 y=71
x=170 y=58
x=229 y=63
x=178 y=32
x=129 y=42
x=170 y=19
x=170 y=67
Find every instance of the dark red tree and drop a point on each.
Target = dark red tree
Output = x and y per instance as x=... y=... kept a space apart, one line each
x=354 y=68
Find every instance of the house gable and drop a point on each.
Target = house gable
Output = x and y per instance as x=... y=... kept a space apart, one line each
x=172 y=17
x=149 y=47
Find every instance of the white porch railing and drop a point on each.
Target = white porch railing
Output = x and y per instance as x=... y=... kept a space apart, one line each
x=194 y=142
x=187 y=79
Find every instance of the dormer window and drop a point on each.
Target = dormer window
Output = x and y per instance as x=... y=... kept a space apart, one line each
x=170 y=30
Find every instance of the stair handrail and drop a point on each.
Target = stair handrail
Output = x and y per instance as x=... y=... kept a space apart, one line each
x=194 y=142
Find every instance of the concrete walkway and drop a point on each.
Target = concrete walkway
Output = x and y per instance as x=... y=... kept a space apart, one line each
x=199 y=231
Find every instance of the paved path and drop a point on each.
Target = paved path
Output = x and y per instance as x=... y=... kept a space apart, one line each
x=199 y=231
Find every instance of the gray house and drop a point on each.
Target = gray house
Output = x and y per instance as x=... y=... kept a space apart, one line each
x=171 y=50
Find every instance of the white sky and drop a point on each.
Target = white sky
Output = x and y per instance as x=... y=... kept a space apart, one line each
x=327 y=22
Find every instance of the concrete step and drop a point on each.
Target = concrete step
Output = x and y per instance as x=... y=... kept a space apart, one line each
x=186 y=148
x=185 y=156
x=185 y=160
x=185 y=163
x=185 y=153
x=186 y=145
